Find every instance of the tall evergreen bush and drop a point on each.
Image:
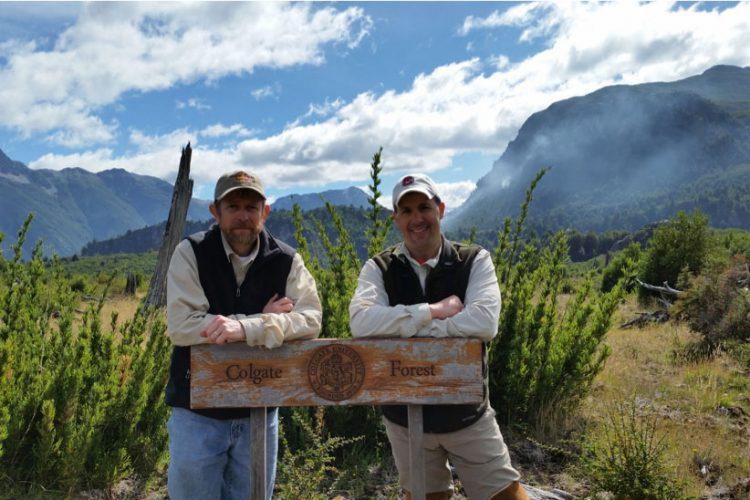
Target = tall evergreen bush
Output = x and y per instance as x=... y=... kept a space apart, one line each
x=682 y=242
x=547 y=353
x=80 y=402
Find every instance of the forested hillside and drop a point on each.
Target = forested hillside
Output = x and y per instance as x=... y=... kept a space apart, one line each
x=74 y=206
x=626 y=156
x=280 y=223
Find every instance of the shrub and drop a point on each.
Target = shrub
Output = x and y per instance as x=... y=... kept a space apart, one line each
x=545 y=357
x=717 y=305
x=336 y=284
x=681 y=242
x=80 y=404
x=623 y=266
x=626 y=457
x=305 y=471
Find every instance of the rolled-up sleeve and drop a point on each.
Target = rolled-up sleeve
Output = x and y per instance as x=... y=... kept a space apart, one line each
x=187 y=305
x=481 y=310
x=302 y=322
x=370 y=314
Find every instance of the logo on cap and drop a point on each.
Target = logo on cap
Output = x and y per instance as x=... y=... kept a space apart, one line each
x=242 y=177
x=408 y=180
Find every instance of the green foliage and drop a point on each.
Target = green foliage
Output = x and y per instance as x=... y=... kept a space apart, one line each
x=682 y=242
x=545 y=356
x=336 y=282
x=734 y=241
x=80 y=404
x=120 y=264
x=626 y=457
x=623 y=266
x=379 y=226
x=717 y=305
x=306 y=472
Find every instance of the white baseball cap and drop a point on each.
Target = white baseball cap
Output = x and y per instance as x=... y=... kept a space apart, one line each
x=419 y=183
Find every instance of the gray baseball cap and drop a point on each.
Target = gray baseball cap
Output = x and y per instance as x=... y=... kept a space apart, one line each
x=239 y=179
x=419 y=183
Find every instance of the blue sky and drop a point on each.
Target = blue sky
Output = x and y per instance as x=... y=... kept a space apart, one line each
x=305 y=93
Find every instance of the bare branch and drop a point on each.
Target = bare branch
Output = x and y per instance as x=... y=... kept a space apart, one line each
x=661 y=289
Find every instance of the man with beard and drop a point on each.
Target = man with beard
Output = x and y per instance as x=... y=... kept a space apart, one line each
x=428 y=286
x=232 y=283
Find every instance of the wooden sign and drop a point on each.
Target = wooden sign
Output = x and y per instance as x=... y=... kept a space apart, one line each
x=337 y=372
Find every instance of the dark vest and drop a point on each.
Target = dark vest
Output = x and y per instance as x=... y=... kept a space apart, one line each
x=449 y=277
x=266 y=276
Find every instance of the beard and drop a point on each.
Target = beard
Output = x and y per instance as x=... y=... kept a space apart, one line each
x=248 y=235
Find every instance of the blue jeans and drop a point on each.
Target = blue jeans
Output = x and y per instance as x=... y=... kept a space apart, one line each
x=210 y=458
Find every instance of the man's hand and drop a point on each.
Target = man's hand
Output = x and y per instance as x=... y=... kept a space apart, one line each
x=223 y=330
x=278 y=305
x=446 y=308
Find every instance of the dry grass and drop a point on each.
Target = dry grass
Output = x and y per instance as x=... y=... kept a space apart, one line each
x=124 y=305
x=687 y=396
x=700 y=404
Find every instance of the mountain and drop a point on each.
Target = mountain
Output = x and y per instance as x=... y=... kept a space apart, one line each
x=73 y=206
x=352 y=196
x=627 y=155
x=280 y=223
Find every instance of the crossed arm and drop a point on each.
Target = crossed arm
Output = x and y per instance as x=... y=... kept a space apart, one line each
x=296 y=316
x=372 y=316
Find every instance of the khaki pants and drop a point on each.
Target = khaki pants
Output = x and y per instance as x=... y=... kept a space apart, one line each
x=478 y=453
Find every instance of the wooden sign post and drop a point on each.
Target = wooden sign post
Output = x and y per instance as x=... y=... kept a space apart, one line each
x=337 y=372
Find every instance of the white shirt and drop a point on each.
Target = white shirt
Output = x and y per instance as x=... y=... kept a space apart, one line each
x=187 y=305
x=371 y=315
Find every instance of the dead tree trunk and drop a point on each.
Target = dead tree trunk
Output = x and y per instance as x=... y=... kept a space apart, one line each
x=131 y=284
x=656 y=316
x=183 y=191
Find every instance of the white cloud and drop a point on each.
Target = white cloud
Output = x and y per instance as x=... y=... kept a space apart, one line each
x=515 y=16
x=219 y=130
x=499 y=61
x=114 y=48
x=157 y=155
x=193 y=102
x=453 y=194
x=322 y=110
x=267 y=92
x=477 y=105
x=473 y=105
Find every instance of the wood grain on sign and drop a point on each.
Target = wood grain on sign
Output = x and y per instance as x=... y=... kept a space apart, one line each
x=337 y=372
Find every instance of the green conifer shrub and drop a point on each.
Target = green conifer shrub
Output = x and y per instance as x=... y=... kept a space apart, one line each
x=717 y=305
x=336 y=282
x=626 y=457
x=80 y=402
x=683 y=241
x=545 y=356
x=307 y=471
x=623 y=266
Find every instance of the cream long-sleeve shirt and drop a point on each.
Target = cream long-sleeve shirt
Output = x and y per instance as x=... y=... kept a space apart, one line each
x=372 y=316
x=187 y=305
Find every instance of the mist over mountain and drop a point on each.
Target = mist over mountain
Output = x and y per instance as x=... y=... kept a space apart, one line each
x=74 y=206
x=624 y=156
x=351 y=196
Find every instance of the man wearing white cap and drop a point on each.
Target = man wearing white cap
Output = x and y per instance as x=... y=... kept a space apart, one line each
x=427 y=286
x=232 y=283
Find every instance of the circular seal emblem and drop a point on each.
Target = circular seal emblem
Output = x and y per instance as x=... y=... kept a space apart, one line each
x=336 y=372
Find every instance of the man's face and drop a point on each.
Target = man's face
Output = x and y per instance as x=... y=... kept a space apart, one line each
x=240 y=216
x=418 y=219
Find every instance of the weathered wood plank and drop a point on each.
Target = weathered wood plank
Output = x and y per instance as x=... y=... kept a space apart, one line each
x=416 y=452
x=258 y=453
x=337 y=372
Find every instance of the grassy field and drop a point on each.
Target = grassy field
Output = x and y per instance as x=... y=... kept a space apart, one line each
x=701 y=406
x=701 y=410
